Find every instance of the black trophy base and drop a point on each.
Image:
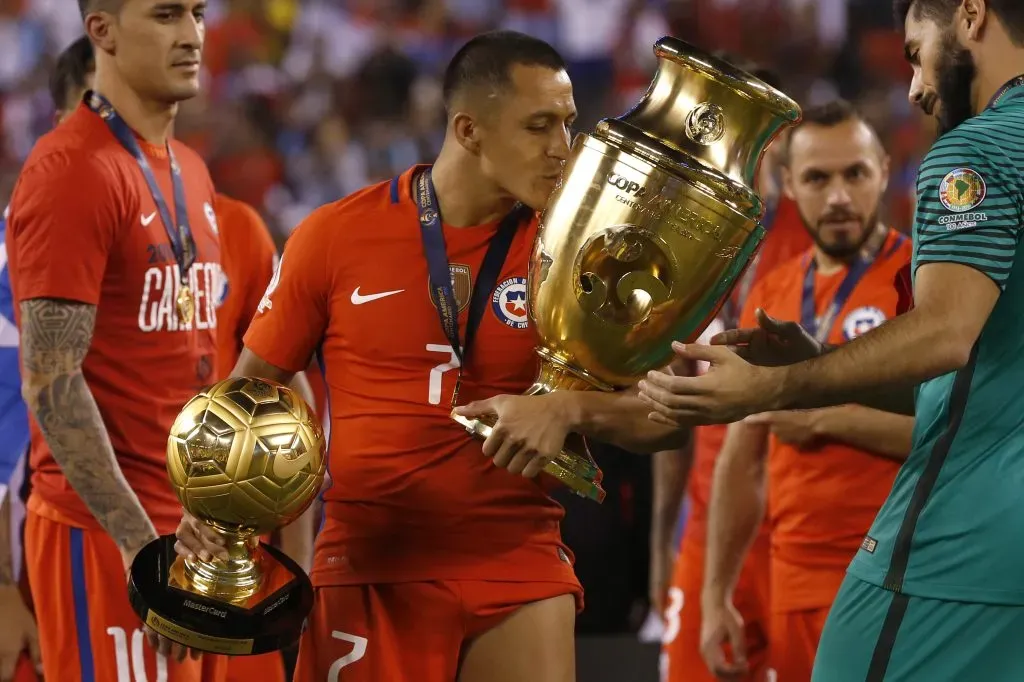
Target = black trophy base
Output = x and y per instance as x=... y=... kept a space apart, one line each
x=268 y=620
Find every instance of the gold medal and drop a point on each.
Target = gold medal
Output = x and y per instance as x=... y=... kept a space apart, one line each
x=186 y=305
x=455 y=391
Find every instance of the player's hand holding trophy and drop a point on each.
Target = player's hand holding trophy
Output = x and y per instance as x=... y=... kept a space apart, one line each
x=654 y=222
x=245 y=456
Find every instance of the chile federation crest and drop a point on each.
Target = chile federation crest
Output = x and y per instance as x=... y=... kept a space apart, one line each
x=509 y=302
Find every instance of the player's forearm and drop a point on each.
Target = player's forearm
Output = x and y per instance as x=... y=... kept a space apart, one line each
x=670 y=470
x=737 y=508
x=6 y=560
x=895 y=399
x=876 y=368
x=251 y=365
x=619 y=418
x=882 y=433
x=71 y=423
x=55 y=339
x=300 y=384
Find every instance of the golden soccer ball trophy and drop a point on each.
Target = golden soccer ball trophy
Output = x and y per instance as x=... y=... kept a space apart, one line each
x=245 y=456
x=654 y=223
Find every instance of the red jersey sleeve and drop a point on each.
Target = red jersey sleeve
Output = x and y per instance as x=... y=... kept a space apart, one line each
x=64 y=214
x=292 y=314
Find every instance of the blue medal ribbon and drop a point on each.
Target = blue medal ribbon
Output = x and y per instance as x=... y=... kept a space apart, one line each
x=439 y=269
x=179 y=233
x=820 y=327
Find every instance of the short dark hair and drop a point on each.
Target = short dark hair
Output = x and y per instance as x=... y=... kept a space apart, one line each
x=86 y=6
x=487 y=61
x=763 y=73
x=828 y=115
x=1010 y=13
x=73 y=67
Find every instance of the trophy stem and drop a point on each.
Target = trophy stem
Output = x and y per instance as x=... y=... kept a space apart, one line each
x=233 y=580
x=557 y=375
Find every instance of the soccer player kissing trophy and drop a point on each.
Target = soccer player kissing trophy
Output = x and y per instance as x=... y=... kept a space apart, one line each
x=654 y=222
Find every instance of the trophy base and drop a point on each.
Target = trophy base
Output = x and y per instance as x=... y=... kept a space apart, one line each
x=267 y=618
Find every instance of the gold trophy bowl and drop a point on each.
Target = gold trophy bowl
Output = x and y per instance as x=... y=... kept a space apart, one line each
x=245 y=457
x=653 y=224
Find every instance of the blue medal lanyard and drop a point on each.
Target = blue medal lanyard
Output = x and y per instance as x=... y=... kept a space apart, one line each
x=439 y=269
x=820 y=327
x=179 y=233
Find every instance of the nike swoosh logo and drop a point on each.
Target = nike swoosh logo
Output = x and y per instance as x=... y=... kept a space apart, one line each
x=284 y=468
x=360 y=299
x=147 y=219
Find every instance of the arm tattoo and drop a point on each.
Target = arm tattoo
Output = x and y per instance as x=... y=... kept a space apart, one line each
x=55 y=338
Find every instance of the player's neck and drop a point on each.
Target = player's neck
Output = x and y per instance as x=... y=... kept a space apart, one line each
x=464 y=197
x=827 y=264
x=1008 y=64
x=151 y=120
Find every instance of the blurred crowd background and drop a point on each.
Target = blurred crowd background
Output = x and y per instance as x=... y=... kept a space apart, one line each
x=308 y=100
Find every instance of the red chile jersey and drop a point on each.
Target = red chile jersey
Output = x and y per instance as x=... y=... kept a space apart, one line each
x=84 y=227
x=412 y=496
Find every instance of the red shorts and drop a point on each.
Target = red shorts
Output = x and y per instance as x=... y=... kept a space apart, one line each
x=262 y=668
x=406 y=632
x=795 y=636
x=25 y=671
x=87 y=629
x=681 y=660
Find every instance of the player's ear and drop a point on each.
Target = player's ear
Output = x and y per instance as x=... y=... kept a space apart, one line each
x=467 y=132
x=99 y=27
x=970 y=18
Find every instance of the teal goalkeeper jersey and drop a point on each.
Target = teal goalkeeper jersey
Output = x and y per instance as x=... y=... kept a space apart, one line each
x=953 y=525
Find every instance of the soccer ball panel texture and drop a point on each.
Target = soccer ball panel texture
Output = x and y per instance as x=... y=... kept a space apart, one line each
x=248 y=454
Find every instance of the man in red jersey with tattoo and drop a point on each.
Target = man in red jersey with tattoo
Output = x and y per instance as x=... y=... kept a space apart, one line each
x=248 y=259
x=440 y=559
x=114 y=263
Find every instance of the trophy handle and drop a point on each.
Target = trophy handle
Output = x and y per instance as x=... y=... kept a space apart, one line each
x=577 y=472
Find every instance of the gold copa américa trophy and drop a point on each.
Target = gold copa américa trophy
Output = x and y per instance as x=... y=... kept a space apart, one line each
x=654 y=222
